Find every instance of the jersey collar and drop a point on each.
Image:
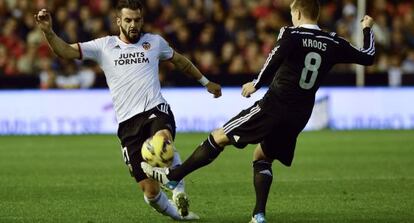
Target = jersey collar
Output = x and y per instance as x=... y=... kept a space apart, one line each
x=123 y=45
x=310 y=26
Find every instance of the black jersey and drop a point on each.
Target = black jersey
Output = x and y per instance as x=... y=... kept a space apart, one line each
x=302 y=58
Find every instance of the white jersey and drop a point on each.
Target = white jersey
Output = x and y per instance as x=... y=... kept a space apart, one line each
x=131 y=71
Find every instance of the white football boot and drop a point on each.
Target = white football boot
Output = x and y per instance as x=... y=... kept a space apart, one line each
x=182 y=202
x=189 y=217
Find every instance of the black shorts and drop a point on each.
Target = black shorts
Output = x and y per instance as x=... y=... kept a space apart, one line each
x=276 y=131
x=134 y=131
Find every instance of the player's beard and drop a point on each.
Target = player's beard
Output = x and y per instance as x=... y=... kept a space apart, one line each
x=132 y=38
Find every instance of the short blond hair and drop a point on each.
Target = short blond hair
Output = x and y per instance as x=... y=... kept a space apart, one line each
x=309 y=8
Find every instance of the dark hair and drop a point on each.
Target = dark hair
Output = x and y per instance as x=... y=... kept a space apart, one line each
x=309 y=8
x=129 y=4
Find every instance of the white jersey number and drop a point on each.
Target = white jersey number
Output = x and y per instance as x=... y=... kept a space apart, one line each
x=312 y=63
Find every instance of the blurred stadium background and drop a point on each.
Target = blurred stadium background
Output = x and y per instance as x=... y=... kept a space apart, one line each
x=228 y=40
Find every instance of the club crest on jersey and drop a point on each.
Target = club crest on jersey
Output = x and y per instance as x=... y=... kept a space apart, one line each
x=146 y=45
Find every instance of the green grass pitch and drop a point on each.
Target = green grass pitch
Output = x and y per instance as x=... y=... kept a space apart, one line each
x=351 y=176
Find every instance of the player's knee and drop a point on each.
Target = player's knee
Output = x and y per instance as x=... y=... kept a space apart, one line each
x=220 y=137
x=150 y=189
x=151 y=192
x=258 y=154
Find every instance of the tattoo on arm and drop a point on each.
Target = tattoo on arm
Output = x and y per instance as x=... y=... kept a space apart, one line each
x=187 y=66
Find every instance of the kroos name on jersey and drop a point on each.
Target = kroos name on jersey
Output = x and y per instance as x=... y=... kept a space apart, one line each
x=131 y=58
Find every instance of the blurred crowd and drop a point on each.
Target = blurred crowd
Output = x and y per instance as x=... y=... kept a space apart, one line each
x=227 y=37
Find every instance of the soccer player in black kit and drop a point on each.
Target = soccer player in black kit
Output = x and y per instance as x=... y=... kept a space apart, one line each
x=303 y=56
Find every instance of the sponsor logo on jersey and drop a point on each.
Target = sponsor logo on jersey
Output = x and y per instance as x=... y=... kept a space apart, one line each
x=131 y=58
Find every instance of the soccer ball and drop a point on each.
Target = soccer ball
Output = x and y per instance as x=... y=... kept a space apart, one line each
x=158 y=151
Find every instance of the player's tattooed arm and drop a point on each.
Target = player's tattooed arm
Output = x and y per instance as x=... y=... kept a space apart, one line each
x=61 y=48
x=186 y=66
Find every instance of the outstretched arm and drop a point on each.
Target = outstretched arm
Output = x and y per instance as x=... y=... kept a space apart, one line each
x=186 y=66
x=364 y=56
x=272 y=64
x=60 y=47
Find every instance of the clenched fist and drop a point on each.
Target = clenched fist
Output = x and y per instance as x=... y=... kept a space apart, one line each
x=44 y=21
x=367 y=21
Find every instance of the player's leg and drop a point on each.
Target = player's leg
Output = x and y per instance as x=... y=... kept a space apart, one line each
x=163 y=124
x=166 y=133
x=153 y=196
x=278 y=144
x=157 y=199
x=179 y=197
x=177 y=162
x=262 y=180
x=132 y=134
x=237 y=132
x=203 y=155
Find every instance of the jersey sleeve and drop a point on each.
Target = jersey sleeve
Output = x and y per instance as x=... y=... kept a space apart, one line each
x=166 y=52
x=351 y=54
x=276 y=57
x=92 y=49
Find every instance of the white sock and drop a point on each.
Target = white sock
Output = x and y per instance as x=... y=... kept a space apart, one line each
x=161 y=204
x=177 y=161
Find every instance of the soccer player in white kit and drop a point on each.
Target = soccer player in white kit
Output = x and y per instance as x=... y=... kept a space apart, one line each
x=130 y=63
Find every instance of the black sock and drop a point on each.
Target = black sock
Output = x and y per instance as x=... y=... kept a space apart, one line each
x=202 y=156
x=262 y=179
